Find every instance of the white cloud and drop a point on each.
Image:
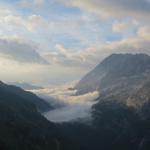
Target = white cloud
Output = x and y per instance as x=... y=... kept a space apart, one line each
x=89 y=57
x=15 y=71
x=119 y=27
x=74 y=107
x=13 y=22
x=82 y=58
x=144 y=32
x=34 y=22
x=124 y=27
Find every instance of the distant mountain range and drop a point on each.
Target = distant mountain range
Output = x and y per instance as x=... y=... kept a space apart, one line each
x=25 y=86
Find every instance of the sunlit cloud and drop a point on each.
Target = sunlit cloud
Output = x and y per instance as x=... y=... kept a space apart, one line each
x=73 y=107
x=63 y=40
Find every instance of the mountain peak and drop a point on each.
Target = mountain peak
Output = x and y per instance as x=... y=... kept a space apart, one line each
x=127 y=55
x=125 y=64
x=125 y=58
x=114 y=69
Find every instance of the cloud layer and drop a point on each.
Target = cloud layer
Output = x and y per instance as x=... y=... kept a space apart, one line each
x=20 y=51
x=117 y=8
x=72 y=107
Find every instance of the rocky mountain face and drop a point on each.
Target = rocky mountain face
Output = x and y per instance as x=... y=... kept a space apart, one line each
x=141 y=96
x=119 y=76
x=122 y=110
x=116 y=73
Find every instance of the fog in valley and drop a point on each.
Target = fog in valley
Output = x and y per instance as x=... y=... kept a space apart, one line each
x=69 y=106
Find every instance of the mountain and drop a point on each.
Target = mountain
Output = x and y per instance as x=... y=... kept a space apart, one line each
x=121 y=115
x=22 y=127
x=40 y=104
x=140 y=97
x=123 y=77
x=25 y=86
x=118 y=70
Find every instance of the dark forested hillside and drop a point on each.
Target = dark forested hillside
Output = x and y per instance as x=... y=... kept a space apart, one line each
x=40 y=104
x=114 y=126
x=22 y=127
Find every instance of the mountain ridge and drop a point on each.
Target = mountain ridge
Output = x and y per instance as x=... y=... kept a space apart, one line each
x=115 y=68
x=40 y=104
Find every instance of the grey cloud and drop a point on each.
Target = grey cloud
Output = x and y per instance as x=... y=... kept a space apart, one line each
x=20 y=51
x=136 y=8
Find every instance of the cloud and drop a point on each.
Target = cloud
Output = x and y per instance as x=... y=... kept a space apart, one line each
x=73 y=107
x=128 y=45
x=82 y=58
x=143 y=32
x=34 y=22
x=115 y=8
x=119 y=27
x=20 y=51
x=125 y=27
x=89 y=57
x=11 y=20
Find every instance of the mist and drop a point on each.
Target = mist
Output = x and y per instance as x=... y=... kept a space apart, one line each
x=69 y=107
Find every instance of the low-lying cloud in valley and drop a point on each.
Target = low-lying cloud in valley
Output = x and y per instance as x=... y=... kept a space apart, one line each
x=69 y=107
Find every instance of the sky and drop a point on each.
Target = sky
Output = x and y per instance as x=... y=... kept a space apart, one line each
x=52 y=42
